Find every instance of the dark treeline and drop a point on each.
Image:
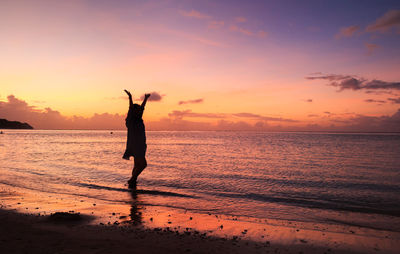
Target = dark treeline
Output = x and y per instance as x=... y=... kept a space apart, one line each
x=5 y=124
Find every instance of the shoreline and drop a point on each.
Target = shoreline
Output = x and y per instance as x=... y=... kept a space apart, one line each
x=21 y=233
x=120 y=228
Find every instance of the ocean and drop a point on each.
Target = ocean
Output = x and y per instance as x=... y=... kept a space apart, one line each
x=331 y=178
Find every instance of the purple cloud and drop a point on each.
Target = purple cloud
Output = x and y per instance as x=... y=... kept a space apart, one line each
x=15 y=109
x=374 y=101
x=194 y=14
x=371 y=47
x=394 y=100
x=248 y=115
x=375 y=123
x=240 y=19
x=348 y=122
x=379 y=84
x=389 y=20
x=347 y=31
x=153 y=97
x=347 y=82
x=191 y=101
x=188 y=113
x=264 y=118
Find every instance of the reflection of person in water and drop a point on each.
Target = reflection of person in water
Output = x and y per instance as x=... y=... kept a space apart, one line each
x=136 y=208
x=136 y=141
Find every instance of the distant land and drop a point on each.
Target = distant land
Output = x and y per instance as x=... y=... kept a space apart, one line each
x=5 y=124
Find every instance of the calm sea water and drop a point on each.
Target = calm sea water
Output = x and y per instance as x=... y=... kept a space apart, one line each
x=332 y=178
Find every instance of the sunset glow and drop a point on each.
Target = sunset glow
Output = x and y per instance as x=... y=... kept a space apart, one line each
x=216 y=65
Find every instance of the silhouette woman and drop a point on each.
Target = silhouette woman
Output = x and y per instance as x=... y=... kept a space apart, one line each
x=136 y=140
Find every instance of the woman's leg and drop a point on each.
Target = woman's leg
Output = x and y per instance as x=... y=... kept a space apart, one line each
x=139 y=166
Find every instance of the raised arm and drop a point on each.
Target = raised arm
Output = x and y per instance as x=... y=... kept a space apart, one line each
x=146 y=96
x=130 y=97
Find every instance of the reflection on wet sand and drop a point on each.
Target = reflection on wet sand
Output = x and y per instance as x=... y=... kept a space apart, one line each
x=136 y=208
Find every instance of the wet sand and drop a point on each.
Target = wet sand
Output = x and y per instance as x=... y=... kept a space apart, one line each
x=24 y=233
x=27 y=227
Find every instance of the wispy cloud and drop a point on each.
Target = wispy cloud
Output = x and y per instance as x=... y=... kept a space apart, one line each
x=240 y=19
x=194 y=37
x=264 y=118
x=241 y=30
x=348 y=82
x=391 y=100
x=375 y=101
x=394 y=100
x=262 y=34
x=194 y=14
x=207 y=41
x=371 y=47
x=244 y=31
x=247 y=115
x=389 y=20
x=214 y=24
x=379 y=92
x=191 y=101
x=188 y=113
x=379 y=84
x=347 y=31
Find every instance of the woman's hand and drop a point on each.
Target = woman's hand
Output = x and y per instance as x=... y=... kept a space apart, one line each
x=146 y=96
x=128 y=93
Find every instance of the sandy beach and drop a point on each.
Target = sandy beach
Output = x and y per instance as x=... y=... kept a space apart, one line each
x=32 y=234
x=24 y=233
x=30 y=226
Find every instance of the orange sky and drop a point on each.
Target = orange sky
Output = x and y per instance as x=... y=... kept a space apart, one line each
x=236 y=65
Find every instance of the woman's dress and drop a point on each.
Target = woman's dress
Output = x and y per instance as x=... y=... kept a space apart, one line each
x=136 y=140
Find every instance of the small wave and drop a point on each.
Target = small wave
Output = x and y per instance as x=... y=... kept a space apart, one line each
x=148 y=192
x=342 y=184
x=309 y=203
